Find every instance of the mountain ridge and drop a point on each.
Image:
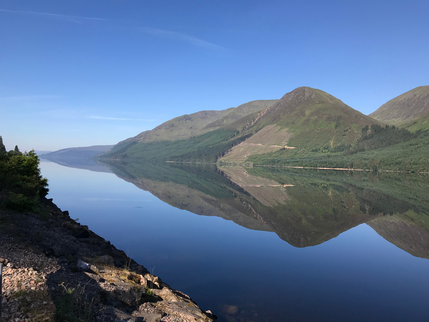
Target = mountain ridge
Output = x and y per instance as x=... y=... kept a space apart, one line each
x=405 y=109
x=306 y=126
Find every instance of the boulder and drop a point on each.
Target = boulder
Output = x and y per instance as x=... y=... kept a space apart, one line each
x=182 y=311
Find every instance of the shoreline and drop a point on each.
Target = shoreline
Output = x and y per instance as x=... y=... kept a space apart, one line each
x=50 y=260
x=249 y=164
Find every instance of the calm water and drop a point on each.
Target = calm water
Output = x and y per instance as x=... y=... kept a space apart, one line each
x=327 y=264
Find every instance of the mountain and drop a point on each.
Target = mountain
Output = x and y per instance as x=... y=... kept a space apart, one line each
x=409 y=110
x=310 y=128
x=304 y=119
x=76 y=153
x=39 y=153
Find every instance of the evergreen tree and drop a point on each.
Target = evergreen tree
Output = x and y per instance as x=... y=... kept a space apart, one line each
x=2 y=147
x=21 y=183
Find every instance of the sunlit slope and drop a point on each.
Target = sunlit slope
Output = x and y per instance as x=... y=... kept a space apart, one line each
x=410 y=110
x=304 y=119
x=183 y=129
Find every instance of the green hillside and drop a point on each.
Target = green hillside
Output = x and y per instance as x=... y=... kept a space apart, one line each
x=422 y=123
x=409 y=110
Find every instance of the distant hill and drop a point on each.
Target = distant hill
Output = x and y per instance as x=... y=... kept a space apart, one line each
x=39 y=153
x=409 y=110
x=76 y=153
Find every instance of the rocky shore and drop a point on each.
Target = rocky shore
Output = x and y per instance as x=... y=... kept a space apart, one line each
x=55 y=269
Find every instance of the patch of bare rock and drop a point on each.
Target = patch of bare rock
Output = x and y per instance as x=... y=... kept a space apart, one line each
x=55 y=269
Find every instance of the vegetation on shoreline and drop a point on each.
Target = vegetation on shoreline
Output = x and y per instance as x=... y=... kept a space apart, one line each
x=21 y=184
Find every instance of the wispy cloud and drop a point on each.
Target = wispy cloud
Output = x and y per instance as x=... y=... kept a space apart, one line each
x=162 y=33
x=107 y=118
x=71 y=18
x=179 y=36
x=28 y=97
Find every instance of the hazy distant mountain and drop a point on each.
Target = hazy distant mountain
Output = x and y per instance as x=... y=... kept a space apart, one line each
x=39 y=153
x=410 y=110
x=79 y=152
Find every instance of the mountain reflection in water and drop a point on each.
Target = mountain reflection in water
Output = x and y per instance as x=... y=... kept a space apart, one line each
x=304 y=208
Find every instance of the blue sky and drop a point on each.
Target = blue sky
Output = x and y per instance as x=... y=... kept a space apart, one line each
x=80 y=73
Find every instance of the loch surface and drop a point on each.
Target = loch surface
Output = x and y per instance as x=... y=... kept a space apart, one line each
x=261 y=244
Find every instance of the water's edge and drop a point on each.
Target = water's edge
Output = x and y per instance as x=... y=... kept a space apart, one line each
x=119 y=287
